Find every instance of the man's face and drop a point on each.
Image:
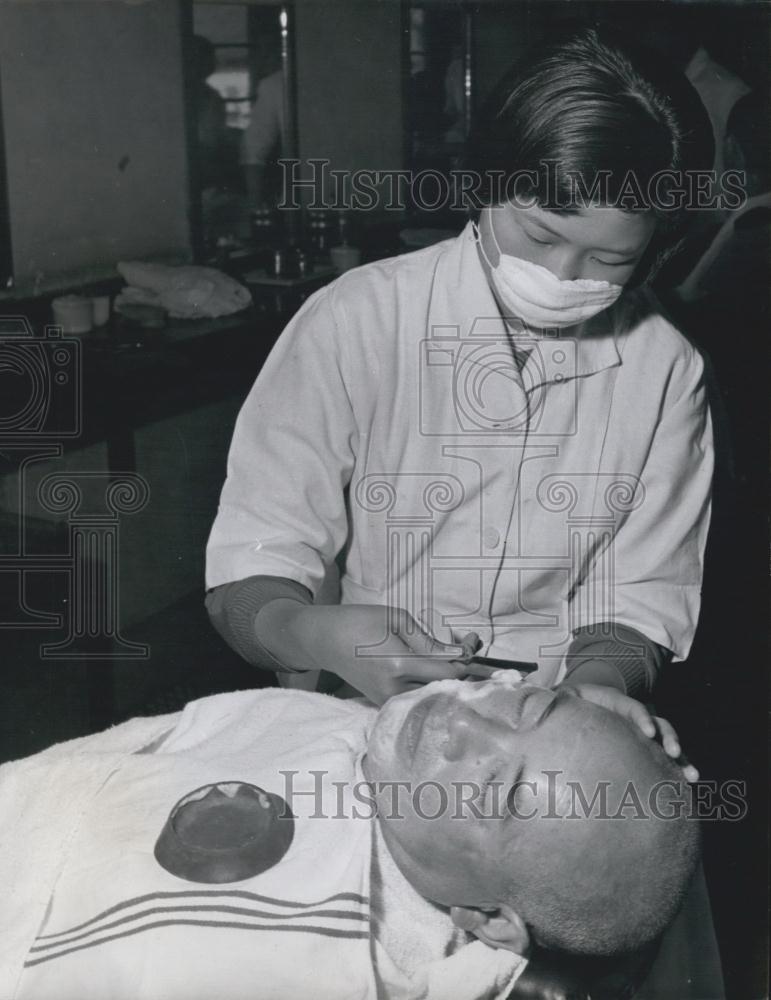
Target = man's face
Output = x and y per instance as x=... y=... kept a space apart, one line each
x=466 y=737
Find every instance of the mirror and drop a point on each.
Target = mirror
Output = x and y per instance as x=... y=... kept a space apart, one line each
x=439 y=90
x=439 y=94
x=6 y=262
x=457 y=53
x=241 y=79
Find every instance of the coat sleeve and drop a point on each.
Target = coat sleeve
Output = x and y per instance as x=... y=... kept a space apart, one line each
x=652 y=570
x=282 y=510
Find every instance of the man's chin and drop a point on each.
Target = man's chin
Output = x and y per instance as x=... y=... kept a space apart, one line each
x=381 y=746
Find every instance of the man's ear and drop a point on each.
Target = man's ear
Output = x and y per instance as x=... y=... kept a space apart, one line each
x=501 y=928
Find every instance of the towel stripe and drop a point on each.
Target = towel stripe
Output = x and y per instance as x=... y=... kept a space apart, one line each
x=232 y=925
x=237 y=910
x=352 y=897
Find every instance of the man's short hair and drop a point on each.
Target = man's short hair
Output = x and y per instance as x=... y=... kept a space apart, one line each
x=624 y=871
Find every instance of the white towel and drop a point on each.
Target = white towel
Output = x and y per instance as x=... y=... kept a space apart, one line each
x=420 y=954
x=42 y=801
x=94 y=917
x=186 y=292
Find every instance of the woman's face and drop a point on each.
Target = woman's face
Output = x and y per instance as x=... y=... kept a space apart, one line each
x=604 y=244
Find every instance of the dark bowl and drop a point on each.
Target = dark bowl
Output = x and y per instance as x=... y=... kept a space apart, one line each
x=225 y=832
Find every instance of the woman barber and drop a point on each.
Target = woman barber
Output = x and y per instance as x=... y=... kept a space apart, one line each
x=500 y=435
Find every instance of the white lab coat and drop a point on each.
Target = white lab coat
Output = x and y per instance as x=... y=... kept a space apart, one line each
x=391 y=423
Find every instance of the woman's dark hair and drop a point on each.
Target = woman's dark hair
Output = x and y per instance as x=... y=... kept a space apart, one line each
x=593 y=117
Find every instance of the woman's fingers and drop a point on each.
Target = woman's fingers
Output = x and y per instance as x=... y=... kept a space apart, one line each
x=668 y=737
x=641 y=717
x=424 y=644
x=689 y=771
x=652 y=726
x=470 y=643
x=656 y=727
x=671 y=745
x=621 y=704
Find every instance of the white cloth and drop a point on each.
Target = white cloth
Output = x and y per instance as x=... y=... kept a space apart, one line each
x=185 y=292
x=89 y=914
x=42 y=800
x=264 y=134
x=417 y=953
x=478 y=499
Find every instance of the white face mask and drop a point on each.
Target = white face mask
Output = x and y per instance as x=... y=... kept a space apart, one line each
x=541 y=299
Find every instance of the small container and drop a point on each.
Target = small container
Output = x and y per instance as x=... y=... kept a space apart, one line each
x=101 y=309
x=320 y=230
x=73 y=313
x=265 y=226
x=225 y=832
x=304 y=264
x=282 y=263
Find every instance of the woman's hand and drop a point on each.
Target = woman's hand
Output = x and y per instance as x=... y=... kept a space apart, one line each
x=651 y=725
x=379 y=651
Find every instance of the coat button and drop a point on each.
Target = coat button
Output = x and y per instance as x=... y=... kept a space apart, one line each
x=491 y=537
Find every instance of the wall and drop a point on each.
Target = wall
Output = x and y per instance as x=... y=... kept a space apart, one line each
x=93 y=110
x=349 y=83
x=501 y=36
